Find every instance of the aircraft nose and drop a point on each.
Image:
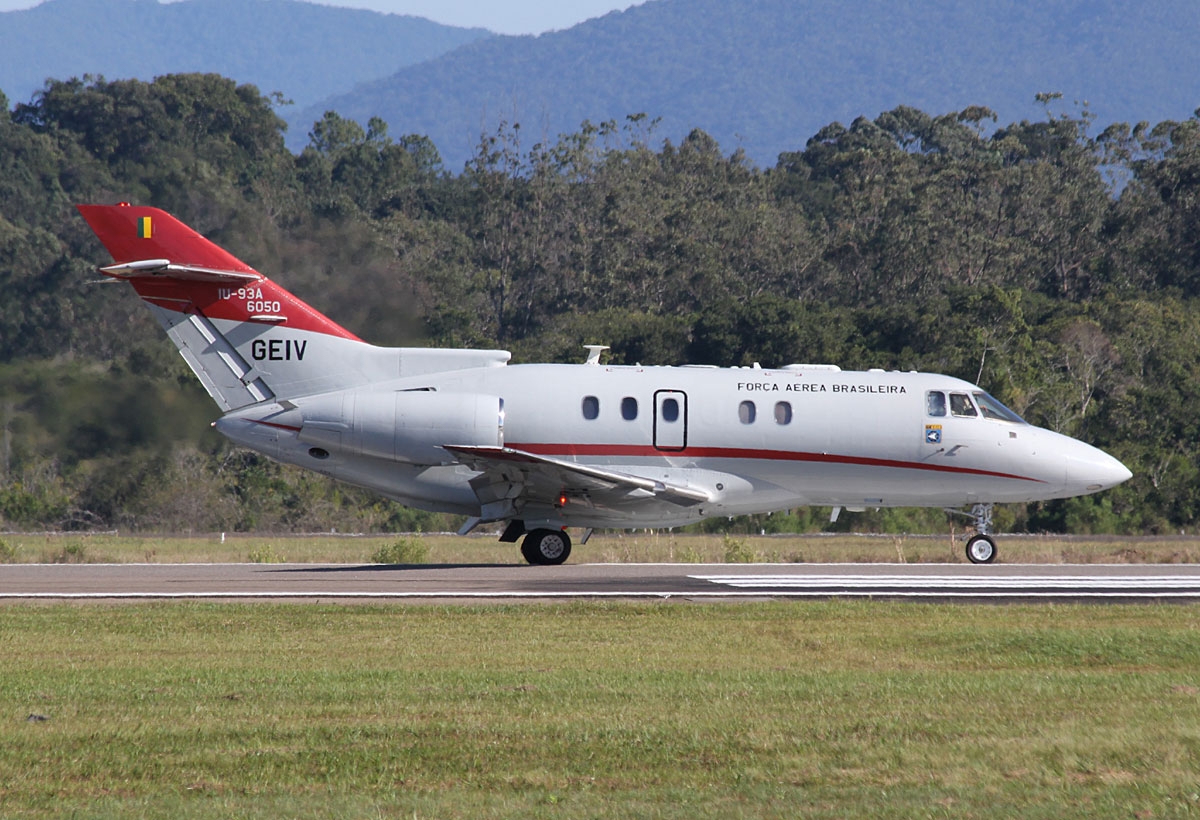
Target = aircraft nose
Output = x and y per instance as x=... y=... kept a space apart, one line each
x=1092 y=470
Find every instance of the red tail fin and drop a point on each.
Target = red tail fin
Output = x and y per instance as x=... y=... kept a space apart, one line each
x=246 y=338
x=133 y=233
x=175 y=268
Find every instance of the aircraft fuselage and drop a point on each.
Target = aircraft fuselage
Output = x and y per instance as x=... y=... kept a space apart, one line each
x=753 y=440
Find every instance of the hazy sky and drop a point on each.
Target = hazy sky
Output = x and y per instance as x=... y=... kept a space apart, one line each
x=503 y=16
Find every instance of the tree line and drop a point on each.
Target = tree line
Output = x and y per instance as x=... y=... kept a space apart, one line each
x=1055 y=263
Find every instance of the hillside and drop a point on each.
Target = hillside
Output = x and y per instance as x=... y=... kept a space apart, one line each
x=307 y=52
x=765 y=75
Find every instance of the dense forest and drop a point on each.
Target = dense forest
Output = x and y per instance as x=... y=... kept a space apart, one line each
x=1057 y=267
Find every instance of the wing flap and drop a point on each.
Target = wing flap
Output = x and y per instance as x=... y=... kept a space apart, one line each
x=552 y=476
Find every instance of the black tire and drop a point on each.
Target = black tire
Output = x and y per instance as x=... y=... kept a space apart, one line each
x=529 y=550
x=546 y=547
x=981 y=549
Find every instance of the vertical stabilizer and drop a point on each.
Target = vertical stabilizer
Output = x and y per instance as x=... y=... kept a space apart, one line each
x=246 y=338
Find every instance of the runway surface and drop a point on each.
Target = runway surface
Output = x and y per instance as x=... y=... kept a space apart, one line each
x=689 y=582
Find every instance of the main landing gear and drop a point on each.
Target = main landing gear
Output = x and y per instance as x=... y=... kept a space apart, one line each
x=544 y=546
x=547 y=547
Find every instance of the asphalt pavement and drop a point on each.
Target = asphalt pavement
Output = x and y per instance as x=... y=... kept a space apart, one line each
x=685 y=582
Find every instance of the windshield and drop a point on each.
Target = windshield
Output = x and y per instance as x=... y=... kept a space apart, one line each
x=991 y=408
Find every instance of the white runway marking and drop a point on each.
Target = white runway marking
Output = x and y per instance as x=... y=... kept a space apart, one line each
x=380 y=595
x=1006 y=586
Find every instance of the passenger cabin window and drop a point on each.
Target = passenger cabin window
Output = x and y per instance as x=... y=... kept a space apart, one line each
x=629 y=408
x=935 y=403
x=747 y=412
x=591 y=407
x=960 y=405
x=670 y=410
x=783 y=412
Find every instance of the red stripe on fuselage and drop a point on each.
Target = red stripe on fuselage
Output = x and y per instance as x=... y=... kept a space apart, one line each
x=277 y=426
x=643 y=451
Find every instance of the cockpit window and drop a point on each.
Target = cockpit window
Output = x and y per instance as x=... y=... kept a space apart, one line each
x=960 y=405
x=993 y=409
x=935 y=403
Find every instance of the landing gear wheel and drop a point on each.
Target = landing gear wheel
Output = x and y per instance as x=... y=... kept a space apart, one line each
x=981 y=549
x=546 y=547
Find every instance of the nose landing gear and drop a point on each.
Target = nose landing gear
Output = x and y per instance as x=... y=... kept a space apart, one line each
x=981 y=547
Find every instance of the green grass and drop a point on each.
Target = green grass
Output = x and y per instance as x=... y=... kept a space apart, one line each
x=641 y=547
x=834 y=709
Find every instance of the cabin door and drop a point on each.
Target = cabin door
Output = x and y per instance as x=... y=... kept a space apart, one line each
x=670 y=420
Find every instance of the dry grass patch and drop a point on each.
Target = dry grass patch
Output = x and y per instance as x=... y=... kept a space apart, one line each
x=659 y=546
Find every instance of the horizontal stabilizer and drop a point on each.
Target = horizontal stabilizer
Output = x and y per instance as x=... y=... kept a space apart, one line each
x=164 y=268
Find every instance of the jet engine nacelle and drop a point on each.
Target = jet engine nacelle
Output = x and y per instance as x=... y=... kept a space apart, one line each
x=408 y=426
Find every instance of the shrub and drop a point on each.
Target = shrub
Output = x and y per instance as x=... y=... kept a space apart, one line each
x=72 y=552
x=737 y=551
x=266 y=555
x=407 y=550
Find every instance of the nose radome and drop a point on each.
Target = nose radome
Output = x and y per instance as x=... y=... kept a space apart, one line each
x=1094 y=470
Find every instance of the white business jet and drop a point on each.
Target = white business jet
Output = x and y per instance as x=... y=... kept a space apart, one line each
x=544 y=447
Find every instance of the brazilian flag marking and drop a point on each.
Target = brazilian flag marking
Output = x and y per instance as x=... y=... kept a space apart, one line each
x=144 y=228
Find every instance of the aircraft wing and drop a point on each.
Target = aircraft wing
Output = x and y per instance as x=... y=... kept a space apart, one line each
x=508 y=475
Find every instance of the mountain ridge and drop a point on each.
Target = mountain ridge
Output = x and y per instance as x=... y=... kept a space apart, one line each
x=306 y=51
x=767 y=74
x=760 y=75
